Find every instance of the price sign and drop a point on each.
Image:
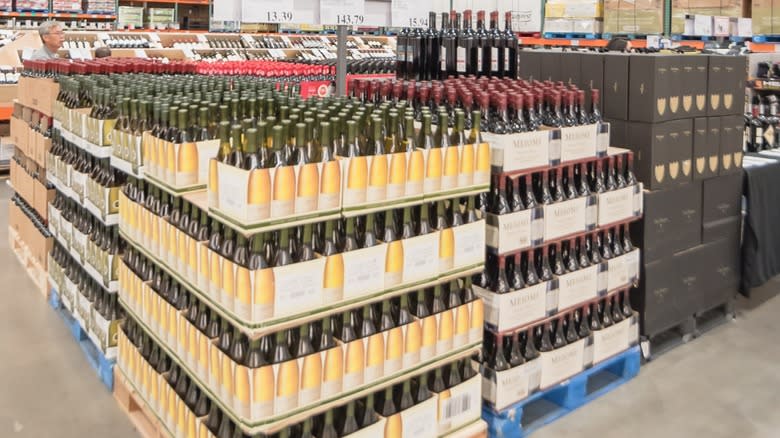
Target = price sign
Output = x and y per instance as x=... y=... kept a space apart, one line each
x=347 y=12
x=410 y=13
x=268 y=11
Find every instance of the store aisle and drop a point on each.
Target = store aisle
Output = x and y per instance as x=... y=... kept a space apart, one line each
x=47 y=388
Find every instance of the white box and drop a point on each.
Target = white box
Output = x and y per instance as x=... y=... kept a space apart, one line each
x=742 y=27
x=698 y=25
x=721 y=26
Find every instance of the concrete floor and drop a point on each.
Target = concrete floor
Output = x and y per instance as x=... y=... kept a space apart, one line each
x=723 y=384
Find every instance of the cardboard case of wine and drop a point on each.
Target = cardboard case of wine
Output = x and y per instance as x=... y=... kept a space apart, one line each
x=263 y=196
x=547 y=147
x=178 y=166
x=406 y=176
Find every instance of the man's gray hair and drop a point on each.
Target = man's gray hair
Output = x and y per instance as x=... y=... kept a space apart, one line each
x=47 y=26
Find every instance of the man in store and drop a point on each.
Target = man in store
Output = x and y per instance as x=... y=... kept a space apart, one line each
x=52 y=37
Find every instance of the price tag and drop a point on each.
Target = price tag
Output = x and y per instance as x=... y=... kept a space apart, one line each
x=347 y=12
x=267 y=11
x=410 y=13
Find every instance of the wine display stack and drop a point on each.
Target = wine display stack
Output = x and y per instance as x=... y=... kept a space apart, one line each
x=84 y=260
x=681 y=115
x=560 y=261
x=27 y=218
x=292 y=266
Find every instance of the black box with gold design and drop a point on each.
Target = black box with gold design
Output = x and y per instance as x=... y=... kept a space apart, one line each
x=616 y=69
x=654 y=88
x=694 y=85
x=664 y=152
x=706 y=147
x=731 y=137
x=726 y=85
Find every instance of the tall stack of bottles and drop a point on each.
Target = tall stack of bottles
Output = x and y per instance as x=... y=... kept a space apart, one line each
x=326 y=323
x=681 y=115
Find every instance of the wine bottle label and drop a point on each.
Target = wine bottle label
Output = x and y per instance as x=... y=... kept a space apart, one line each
x=551 y=301
x=477 y=313
x=215 y=272
x=354 y=363
x=420 y=257
x=311 y=379
x=298 y=287
x=462 y=407
x=415 y=174
x=375 y=358
x=242 y=303
x=617 y=205
x=226 y=379
x=377 y=179
x=445 y=324
x=202 y=277
x=394 y=350
x=429 y=327
x=77 y=183
x=461 y=59
x=333 y=371
x=228 y=284
x=494 y=59
x=576 y=287
x=412 y=343
x=450 y=168
x=564 y=218
x=363 y=271
x=469 y=244
x=356 y=182
x=519 y=151
x=610 y=341
x=446 y=250
x=433 y=171
x=562 y=363
x=505 y=388
x=632 y=266
x=214 y=365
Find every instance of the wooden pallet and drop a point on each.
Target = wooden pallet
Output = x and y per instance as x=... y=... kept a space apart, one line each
x=31 y=265
x=140 y=414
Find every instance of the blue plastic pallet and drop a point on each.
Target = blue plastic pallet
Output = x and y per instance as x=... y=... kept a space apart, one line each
x=546 y=406
x=102 y=366
x=734 y=39
x=766 y=38
x=572 y=35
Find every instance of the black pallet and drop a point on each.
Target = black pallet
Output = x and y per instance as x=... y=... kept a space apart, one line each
x=666 y=340
x=714 y=317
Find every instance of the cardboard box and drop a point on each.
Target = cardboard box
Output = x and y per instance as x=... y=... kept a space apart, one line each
x=529 y=64
x=762 y=17
x=742 y=27
x=661 y=300
x=592 y=76
x=615 y=87
x=717 y=230
x=8 y=93
x=731 y=139
x=653 y=88
x=38 y=94
x=699 y=25
x=726 y=85
x=552 y=63
x=721 y=197
x=693 y=92
x=38 y=244
x=663 y=152
x=526 y=16
x=671 y=222
x=570 y=68
x=722 y=261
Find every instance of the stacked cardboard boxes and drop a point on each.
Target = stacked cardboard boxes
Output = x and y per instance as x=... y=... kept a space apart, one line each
x=27 y=217
x=577 y=16
x=681 y=115
x=716 y=12
x=634 y=17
